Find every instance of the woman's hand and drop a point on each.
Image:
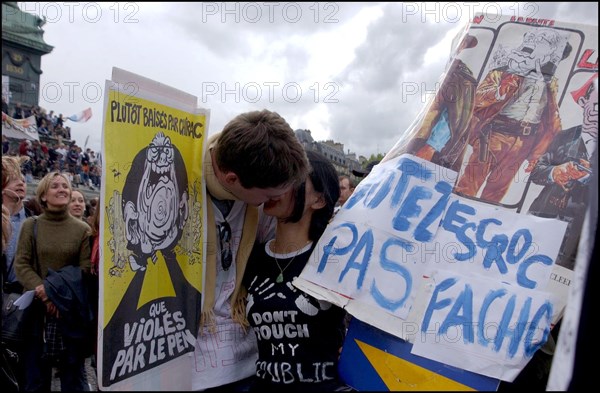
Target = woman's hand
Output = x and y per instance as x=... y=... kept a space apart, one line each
x=40 y=293
x=51 y=309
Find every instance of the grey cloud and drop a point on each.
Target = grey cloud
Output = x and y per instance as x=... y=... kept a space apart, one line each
x=228 y=28
x=392 y=48
x=182 y=46
x=369 y=122
x=376 y=109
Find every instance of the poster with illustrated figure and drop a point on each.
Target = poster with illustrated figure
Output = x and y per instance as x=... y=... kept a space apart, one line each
x=151 y=240
x=462 y=241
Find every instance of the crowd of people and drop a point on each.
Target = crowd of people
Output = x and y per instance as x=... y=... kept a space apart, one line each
x=55 y=151
x=275 y=214
x=268 y=203
x=56 y=214
x=48 y=123
x=55 y=336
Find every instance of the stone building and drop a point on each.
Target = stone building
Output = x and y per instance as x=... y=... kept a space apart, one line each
x=344 y=163
x=22 y=49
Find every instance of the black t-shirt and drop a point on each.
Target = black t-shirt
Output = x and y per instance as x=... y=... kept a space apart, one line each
x=72 y=157
x=298 y=336
x=53 y=155
x=85 y=159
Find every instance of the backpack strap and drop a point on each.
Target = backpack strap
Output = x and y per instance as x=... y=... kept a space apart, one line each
x=34 y=238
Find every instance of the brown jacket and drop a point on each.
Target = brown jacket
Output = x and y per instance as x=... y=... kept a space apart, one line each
x=487 y=106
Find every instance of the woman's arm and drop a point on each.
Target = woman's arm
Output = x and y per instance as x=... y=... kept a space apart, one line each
x=85 y=253
x=25 y=270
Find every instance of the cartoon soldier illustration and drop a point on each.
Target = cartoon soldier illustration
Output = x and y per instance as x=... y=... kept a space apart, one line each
x=515 y=116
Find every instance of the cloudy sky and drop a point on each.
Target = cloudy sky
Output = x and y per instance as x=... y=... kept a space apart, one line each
x=357 y=73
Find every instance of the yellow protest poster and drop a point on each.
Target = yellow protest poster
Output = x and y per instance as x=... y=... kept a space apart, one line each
x=151 y=232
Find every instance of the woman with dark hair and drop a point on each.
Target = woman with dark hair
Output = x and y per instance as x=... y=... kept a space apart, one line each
x=299 y=337
x=53 y=252
x=93 y=282
x=91 y=210
x=94 y=222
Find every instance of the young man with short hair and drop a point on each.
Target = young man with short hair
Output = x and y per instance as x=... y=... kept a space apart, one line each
x=255 y=159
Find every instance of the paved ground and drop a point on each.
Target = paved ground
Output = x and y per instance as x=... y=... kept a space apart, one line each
x=91 y=376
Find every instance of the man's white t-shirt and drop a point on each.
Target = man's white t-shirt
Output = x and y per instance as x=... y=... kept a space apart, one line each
x=229 y=354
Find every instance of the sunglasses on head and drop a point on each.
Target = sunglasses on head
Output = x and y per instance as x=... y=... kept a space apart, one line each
x=225 y=242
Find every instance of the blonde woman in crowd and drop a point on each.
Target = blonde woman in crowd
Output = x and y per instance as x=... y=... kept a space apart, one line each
x=77 y=205
x=58 y=335
x=11 y=169
x=14 y=191
x=12 y=372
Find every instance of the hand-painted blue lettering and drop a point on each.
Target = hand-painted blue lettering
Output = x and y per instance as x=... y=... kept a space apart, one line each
x=383 y=190
x=545 y=311
x=422 y=234
x=522 y=278
x=408 y=168
x=481 y=322
x=366 y=243
x=434 y=304
x=448 y=223
x=493 y=248
x=410 y=207
x=494 y=251
x=463 y=302
x=513 y=258
x=461 y=313
x=519 y=329
x=462 y=237
x=481 y=228
x=453 y=215
x=372 y=193
x=330 y=248
x=392 y=266
x=498 y=249
x=503 y=329
x=356 y=197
